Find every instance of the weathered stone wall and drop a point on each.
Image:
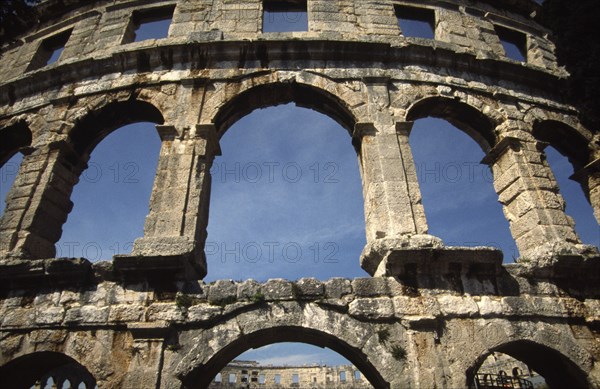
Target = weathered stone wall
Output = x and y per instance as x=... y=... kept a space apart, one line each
x=430 y=315
x=135 y=336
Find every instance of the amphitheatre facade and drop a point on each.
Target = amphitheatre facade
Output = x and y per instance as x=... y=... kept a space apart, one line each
x=429 y=315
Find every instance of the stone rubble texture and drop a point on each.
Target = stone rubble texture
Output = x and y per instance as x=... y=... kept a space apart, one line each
x=430 y=314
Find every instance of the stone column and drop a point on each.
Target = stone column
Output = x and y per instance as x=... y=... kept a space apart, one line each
x=589 y=178
x=394 y=213
x=175 y=229
x=532 y=203
x=393 y=206
x=147 y=351
x=39 y=202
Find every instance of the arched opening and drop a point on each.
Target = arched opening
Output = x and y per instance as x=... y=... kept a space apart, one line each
x=274 y=94
x=292 y=176
x=557 y=370
x=565 y=139
x=290 y=365
x=8 y=175
x=13 y=141
x=119 y=147
x=95 y=126
x=577 y=205
x=43 y=368
x=566 y=154
x=464 y=117
x=205 y=374
x=112 y=196
x=458 y=194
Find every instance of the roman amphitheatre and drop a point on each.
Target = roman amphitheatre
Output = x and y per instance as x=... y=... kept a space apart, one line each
x=430 y=313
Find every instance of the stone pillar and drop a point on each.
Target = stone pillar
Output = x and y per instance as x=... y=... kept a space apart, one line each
x=394 y=213
x=175 y=229
x=589 y=178
x=393 y=205
x=532 y=203
x=147 y=350
x=39 y=202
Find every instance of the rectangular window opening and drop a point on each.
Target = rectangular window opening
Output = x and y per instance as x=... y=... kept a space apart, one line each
x=50 y=50
x=342 y=376
x=277 y=379
x=232 y=378
x=514 y=43
x=285 y=16
x=416 y=22
x=149 y=24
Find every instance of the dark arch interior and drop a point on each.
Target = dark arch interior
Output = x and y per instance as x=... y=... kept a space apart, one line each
x=24 y=371
x=283 y=93
x=463 y=116
x=558 y=371
x=202 y=376
x=565 y=139
x=13 y=139
x=97 y=125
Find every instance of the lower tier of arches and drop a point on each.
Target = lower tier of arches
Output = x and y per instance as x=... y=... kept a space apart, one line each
x=181 y=336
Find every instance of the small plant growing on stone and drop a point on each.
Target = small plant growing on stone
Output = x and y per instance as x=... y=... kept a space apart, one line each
x=398 y=353
x=383 y=335
x=174 y=347
x=225 y=301
x=183 y=300
x=258 y=298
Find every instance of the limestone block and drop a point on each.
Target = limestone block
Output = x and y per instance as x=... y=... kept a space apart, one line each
x=378 y=308
x=278 y=289
x=367 y=287
x=336 y=288
x=18 y=317
x=415 y=306
x=126 y=313
x=457 y=306
x=49 y=315
x=249 y=290
x=169 y=312
x=203 y=312
x=94 y=314
x=489 y=306
x=221 y=291
x=309 y=288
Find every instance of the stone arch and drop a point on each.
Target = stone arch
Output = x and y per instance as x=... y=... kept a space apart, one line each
x=14 y=138
x=557 y=368
x=90 y=129
x=337 y=101
x=479 y=126
x=201 y=376
x=26 y=370
x=63 y=161
x=566 y=139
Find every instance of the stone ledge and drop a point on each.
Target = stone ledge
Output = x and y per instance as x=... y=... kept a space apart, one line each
x=560 y=261
x=52 y=272
x=316 y=50
x=418 y=255
x=161 y=267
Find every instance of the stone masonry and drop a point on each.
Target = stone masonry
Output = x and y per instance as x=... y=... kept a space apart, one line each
x=429 y=315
